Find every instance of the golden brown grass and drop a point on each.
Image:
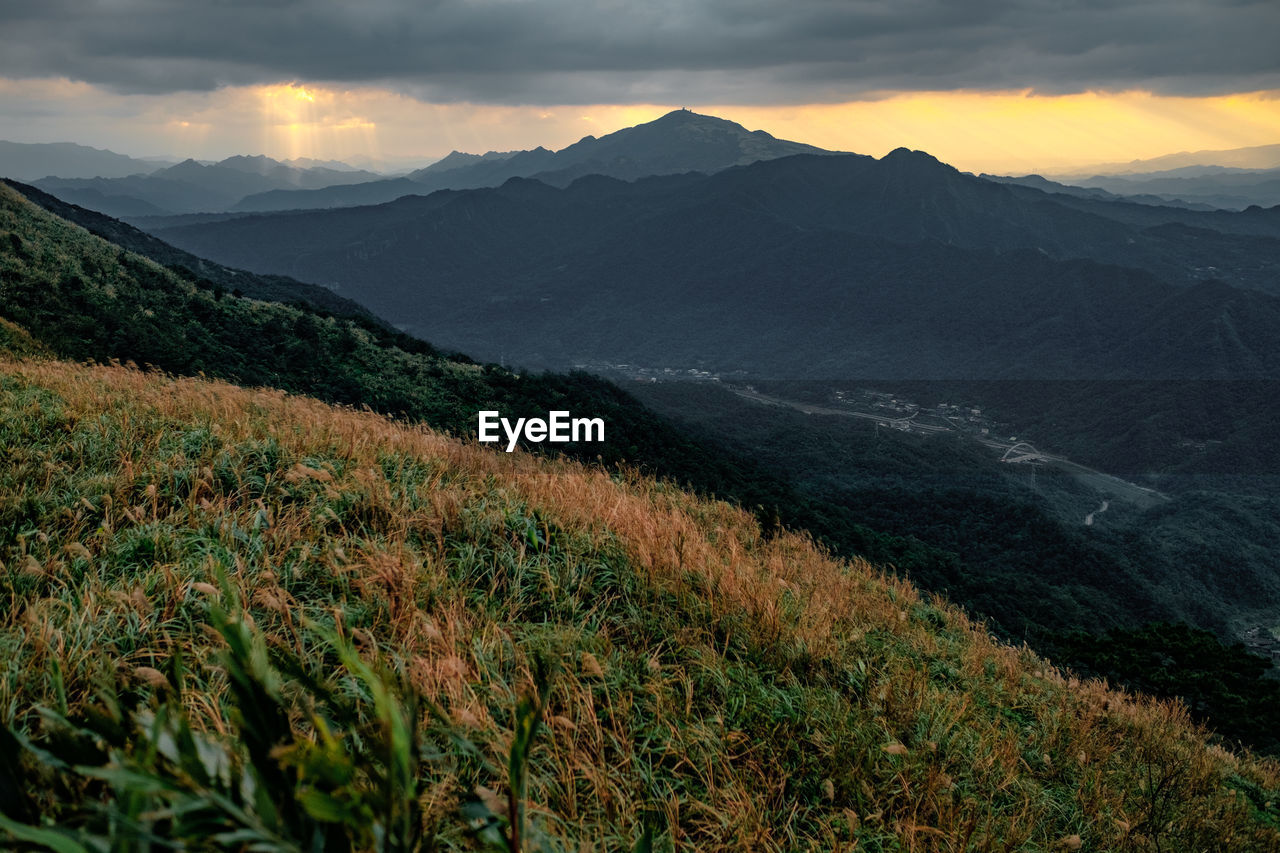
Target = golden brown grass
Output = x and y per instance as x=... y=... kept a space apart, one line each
x=754 y=692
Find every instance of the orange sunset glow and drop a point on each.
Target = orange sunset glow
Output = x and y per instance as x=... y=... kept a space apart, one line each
x=976 y=131
x=1003 y=132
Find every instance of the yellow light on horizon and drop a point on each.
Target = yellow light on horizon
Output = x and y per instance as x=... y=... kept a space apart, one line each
x=1008 y=132
x=1005 y=131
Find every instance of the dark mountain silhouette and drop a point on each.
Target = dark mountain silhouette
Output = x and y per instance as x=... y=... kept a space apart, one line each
x=909 y=195
x=680 y=141
x=834 y=266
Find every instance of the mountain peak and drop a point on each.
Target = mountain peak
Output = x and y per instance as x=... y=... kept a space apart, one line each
x=916 y=160
x=685 y=116
x=188 y=166
x=678 y=142
x=682 y=114
x=257 y=164
x=906 y=154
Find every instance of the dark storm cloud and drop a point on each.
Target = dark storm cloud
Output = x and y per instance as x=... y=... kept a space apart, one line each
x=567 y=51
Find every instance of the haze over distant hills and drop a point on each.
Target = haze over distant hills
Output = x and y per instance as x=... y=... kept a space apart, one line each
x=29 y=161
x=1232 y=189
x=681 y=141
x=190 y=186
x=1254 y=157
x=1039 y=182
x=1230 y=179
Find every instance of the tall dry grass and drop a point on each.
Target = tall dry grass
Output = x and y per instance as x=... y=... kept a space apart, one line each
x=740 y=692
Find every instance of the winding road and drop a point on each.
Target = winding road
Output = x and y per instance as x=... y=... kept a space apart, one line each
x=1014 y=452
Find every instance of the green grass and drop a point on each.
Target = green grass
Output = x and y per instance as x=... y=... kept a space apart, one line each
x=85 y=298
x=241 y=619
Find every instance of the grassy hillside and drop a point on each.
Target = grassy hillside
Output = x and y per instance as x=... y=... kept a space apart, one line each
x=1009 y=543
x=87 y=299
x=253 y=619
x=208 y=275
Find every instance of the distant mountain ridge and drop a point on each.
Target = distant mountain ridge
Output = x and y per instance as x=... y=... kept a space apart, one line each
x=680 y=141
x=1252 y=157
x=193 y=187
x=1220 y=189
x=24 y=161
x=1039 y=182
x=1233 y=189
x=459 y=159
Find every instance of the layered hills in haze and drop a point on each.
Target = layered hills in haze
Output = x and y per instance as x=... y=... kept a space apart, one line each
x=1232 y=179
x=190 y=186
x=1234 y=189
x=1254 y=157
x=681 y=141
x=30 y=161
x=1197 y=188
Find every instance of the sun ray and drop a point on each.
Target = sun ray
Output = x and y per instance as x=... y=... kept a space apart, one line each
x=1006 y=131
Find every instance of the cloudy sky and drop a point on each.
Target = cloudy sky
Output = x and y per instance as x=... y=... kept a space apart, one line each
x=986 y=84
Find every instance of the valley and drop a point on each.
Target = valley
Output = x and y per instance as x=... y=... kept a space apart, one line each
x=909 y=417
x=889 y=412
